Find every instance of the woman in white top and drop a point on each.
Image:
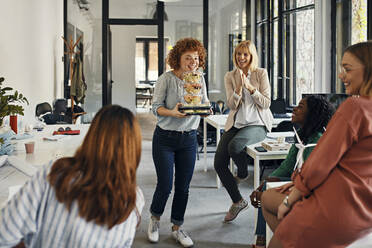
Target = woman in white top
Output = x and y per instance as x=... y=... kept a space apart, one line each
x=248 y=97
x=88 y=200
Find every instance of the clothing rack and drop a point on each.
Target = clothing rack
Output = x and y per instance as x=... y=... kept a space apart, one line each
x=71 y=54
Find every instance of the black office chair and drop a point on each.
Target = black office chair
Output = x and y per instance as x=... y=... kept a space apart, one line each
x=220 y=105
x=278 y=108
x=45 y=113
x=42 y=108
x=60 y=106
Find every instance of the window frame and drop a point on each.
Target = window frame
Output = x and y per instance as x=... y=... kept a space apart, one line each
x=283 y=81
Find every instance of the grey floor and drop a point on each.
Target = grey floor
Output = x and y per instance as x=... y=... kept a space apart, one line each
x=206 y=208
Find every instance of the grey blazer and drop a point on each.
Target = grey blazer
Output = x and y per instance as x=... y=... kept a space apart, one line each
x=261 y=97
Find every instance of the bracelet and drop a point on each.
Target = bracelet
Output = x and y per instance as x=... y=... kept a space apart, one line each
x=285 y=202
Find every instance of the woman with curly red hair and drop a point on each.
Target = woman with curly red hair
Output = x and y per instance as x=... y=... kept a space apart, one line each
x=174 y=142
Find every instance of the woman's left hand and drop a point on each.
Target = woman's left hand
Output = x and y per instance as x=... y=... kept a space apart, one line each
x=283 y=210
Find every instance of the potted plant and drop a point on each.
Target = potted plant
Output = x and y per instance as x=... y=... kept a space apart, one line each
x=8 y=102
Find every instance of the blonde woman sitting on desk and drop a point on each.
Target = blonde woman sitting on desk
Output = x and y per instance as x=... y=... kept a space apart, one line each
x=248 y=97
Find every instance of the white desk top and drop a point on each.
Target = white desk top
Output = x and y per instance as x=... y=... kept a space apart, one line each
x=45 y=151
x=218 y=121
x=270 y=136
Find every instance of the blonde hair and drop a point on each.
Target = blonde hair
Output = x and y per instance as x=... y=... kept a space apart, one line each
x=363 y=52
x=247 y=46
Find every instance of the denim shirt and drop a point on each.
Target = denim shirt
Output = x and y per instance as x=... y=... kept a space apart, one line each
x=168 y=92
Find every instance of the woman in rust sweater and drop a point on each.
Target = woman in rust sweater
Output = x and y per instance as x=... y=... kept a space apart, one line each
x=329 y=204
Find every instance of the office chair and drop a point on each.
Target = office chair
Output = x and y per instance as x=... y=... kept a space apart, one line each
x=278 y=108
x=220 y=105
x=60 y=106
x=42 y=108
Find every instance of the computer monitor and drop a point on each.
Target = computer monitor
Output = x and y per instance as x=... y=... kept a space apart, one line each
x=278 y=106
x=278 y=109
x=334 y=98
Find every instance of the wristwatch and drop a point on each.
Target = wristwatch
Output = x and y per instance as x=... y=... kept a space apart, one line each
x=285 y=202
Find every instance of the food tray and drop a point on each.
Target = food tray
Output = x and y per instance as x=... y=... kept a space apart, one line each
x=197 y=113
x=196 y=107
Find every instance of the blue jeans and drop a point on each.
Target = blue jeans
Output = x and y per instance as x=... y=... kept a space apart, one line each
x=261 y=223
x=232 y=144
x=173 y=152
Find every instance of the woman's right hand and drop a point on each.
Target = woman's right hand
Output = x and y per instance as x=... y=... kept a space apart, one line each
x=256 y=196
x=238 y=90
x=176 y=113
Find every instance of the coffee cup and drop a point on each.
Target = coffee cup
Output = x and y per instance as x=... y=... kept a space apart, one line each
x=30 y=147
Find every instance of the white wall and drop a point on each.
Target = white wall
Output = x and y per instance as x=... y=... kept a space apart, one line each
x=31 y=50
x=123 y=62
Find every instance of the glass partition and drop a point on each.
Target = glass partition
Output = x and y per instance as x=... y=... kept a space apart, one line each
x=183 y=19
x=130 y=9
x=227 y=27
x=85 y=22
x=351 y=28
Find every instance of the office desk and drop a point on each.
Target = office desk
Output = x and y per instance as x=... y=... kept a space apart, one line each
x=144 y=92
x=218 y=122
x=45 y=151
x=269 y=155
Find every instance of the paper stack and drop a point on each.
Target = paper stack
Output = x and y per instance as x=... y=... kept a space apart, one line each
x=275 y=145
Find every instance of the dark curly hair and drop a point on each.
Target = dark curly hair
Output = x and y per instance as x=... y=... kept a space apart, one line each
x=319 y=112
x=185 y=45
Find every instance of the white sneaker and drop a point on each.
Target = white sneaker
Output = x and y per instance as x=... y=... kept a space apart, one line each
x=153 y=230
x=182 y=237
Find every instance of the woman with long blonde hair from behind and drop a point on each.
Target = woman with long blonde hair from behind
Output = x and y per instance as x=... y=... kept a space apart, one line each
x=88 y=200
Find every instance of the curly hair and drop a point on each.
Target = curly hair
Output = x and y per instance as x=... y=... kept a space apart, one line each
x=319 y=112
x=185 y=45
x=101 y=176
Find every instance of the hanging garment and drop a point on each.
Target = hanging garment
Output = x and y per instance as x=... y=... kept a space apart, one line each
x=78 y=85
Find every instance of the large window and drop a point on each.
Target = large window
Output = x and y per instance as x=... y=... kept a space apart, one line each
x=300 y=31
x=285 y=40
x=147 y=60
x=351 y=27
x=285 y=45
